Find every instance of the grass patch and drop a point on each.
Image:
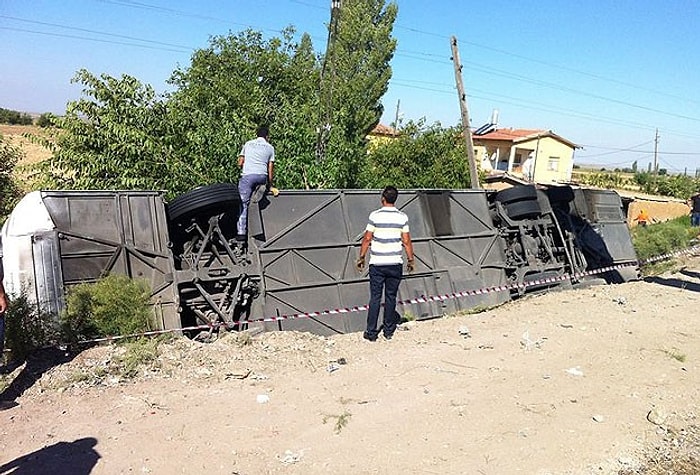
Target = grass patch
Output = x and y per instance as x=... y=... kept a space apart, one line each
x=341 y=420
x=675 y=354
x=408 y=316
x=662 y=238
x=138 y=354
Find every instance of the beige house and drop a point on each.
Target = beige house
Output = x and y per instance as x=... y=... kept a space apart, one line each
x=507 y=150
x=381 y=134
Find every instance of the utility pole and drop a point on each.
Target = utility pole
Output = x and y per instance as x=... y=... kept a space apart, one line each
x=396 y=118
x=325 y=112
x=473 y=172
x=656 y=153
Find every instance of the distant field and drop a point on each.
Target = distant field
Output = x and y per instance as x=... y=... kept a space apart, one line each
x=14 y=134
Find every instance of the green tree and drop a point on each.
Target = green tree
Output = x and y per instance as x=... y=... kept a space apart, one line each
x=420 y=157
x=357 y=74
x=9 y=189
x=45 y=120
x=116 y=136
x=13 y=117
x=241 y=81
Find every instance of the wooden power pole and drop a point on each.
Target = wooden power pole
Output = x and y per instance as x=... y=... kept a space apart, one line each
x=473 y=172
x=656 y=153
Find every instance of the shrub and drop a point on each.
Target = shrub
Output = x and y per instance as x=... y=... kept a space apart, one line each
x=114 y=305
x=9 y=189
x=662 y=238
x=139 y=353
x=26 y=329
x=45 y=120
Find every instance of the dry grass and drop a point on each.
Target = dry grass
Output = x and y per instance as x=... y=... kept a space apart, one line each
x=677 y=454
x=32 y=153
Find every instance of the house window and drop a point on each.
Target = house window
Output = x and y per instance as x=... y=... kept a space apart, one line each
x=553 y=164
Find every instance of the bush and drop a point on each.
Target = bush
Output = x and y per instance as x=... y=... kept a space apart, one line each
x=45 y=120
x=13 y=117
x=114 y=305
x=662 y=238
x=26 y=329
x=9 y=190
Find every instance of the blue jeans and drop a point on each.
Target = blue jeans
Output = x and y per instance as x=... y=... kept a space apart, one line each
x=695 y=218
x=246 y=185
x=384 y=279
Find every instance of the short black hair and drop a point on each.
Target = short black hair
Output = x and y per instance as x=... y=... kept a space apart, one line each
x=262 y=131
x=390 y=194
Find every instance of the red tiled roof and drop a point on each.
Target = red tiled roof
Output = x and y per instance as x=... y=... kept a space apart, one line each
x=382 y=129
x=512 y=135
x=521 y=135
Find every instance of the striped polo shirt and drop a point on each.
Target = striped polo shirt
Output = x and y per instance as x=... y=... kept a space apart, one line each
x=386 y=225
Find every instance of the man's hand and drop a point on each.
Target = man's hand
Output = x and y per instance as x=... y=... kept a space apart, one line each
x=411 y=266
x=360 y=264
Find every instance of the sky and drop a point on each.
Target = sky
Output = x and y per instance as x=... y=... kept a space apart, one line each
x=618 y=78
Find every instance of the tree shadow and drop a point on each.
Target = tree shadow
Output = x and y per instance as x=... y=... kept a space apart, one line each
x=63 y=458
x=36 y=364
x=677 y=283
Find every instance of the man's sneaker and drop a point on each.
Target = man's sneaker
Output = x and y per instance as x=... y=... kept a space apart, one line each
x=388 y=337
x=369 y=337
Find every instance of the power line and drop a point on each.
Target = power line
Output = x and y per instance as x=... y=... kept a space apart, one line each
x=98 y=40
x=114 y=35
x=530 y=105
x=617 y=150
x=538 y=82
x=554 y=65
x=416 y=55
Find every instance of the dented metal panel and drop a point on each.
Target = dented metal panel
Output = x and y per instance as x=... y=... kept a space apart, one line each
x=305 y=244
x=89 y=234
x=301 y=247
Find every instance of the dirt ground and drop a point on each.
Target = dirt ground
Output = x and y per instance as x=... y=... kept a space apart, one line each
x=570 y=382
x=15 y=135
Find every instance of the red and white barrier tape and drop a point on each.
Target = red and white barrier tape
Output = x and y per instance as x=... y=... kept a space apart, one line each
x=412 y=301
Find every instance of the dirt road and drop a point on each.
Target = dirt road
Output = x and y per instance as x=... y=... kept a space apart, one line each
x=571 y=382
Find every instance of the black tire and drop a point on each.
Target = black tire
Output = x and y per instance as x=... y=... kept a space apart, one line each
x=221 y=196
x=517 y=193
x=560 y=194
x=523 y=209
x=545 y=206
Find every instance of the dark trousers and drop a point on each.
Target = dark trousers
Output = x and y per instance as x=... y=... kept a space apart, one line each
x=384 y=279
x=695 y=218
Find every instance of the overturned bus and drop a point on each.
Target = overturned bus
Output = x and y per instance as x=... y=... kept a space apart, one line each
x=473 y=248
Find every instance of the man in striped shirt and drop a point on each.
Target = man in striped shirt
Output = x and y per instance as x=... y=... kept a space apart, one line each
x=385 y=236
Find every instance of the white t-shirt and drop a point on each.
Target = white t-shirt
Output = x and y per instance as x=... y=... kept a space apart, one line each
x=257 y=153
x=386 y=224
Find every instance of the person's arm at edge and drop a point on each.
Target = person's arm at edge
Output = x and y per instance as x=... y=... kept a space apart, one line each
x=408 y=245
x=270 y=172
x=241 y=160
x=366 y=241
x=3 y=299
